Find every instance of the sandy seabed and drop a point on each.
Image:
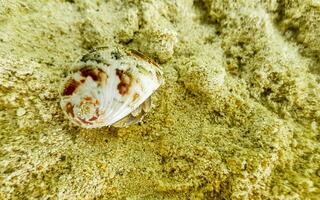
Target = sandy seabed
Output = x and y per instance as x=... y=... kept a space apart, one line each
x=237 y=118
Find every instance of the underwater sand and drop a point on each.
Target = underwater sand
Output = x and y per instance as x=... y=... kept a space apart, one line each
x=237 y=118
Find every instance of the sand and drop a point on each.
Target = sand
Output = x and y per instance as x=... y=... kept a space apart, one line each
x=237 y=118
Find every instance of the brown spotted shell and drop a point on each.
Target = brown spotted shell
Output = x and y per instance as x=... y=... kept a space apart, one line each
x=110 y=86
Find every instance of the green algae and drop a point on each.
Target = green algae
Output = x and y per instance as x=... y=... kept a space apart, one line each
x=237 y=118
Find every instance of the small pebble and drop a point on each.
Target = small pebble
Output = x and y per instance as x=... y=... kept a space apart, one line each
x=314 y=126
x=21 y=112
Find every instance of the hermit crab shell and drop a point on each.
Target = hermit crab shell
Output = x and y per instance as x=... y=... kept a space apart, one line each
x=110 y=86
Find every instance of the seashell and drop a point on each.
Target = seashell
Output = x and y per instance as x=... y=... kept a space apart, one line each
x=110 y=86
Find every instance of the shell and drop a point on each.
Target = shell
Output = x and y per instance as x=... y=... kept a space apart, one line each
x=110 y=86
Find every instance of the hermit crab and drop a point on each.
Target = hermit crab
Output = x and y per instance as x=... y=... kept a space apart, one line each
x=110 y=86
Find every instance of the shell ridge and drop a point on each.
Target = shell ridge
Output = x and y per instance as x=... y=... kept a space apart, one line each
x=113 y=95
x=132 y=106
x=123 y=110
x=109 y=108
x=138 y=103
